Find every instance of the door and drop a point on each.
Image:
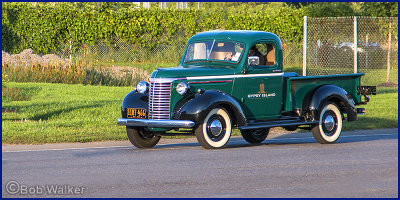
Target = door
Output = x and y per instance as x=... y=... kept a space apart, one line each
x=262 y=85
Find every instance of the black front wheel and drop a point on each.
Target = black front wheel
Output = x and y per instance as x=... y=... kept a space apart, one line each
x=142 y=139
x=255 y=135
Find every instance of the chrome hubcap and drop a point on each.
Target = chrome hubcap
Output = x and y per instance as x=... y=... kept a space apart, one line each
x=329 y=123
x=216 y=127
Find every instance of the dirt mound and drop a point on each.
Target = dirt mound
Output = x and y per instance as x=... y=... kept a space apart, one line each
x=388 y=84
x=27 y=58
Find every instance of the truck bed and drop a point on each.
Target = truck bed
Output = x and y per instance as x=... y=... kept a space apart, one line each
x=300 y=87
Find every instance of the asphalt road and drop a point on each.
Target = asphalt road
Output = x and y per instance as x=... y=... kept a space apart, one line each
x=360 y=164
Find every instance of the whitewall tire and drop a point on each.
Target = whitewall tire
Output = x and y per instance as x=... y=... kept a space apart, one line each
x=215 y=130
x=330 y=124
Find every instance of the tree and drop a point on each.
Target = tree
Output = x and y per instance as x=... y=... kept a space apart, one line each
x=380 y=9
x=329 y=9
x=298 y=4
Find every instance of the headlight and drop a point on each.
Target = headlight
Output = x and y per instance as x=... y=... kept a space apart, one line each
x=142 y=87
x=182 y=88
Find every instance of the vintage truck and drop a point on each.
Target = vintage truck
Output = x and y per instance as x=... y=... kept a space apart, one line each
x=234 y=79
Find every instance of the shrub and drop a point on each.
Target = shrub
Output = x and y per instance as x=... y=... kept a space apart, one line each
x=45 y=28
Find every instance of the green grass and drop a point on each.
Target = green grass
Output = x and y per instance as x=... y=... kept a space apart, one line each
x=64 y=113
x=378 y=76
x=75 y=113
x=298 y=70
x=381 y=111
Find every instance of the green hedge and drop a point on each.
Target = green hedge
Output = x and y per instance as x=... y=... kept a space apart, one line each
x=44 y=27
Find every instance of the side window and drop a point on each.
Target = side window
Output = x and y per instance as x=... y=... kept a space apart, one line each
x=265 y=52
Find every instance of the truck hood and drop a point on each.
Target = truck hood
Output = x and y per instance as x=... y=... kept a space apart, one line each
x=190 y=71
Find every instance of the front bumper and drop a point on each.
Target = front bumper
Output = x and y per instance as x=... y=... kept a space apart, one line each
x=156 y=123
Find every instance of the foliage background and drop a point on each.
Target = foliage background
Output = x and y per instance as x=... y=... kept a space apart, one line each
x=44 y=27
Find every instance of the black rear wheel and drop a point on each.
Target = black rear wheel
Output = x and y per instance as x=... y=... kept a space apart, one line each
x=142 y=139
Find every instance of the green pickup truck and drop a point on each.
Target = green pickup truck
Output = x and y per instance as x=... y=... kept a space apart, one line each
x=234 y=79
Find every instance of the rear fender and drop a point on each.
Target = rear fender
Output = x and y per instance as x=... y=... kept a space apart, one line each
x=196 y=107
x=333 y=94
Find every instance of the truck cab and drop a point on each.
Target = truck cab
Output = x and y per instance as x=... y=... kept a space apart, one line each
x=235 y=79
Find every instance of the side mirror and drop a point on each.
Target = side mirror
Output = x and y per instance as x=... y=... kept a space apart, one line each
x=253 y=60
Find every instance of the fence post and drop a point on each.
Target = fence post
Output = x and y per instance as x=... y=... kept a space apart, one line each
x=305 y=46
x=388 y=53
x=355 y=45
x=70 y=49
x=163 y=5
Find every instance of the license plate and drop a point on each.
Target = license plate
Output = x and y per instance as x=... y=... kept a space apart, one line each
x=137 y=113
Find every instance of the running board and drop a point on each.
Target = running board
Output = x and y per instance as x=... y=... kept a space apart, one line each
x=276 y=124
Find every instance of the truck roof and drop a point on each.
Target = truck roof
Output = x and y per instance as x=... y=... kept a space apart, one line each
x=241 y=35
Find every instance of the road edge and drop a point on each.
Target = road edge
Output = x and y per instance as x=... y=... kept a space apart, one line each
x=163 y=141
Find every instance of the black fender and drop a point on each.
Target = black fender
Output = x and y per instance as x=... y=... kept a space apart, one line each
x=134 y=99
x=197 y=107
x=336 y=95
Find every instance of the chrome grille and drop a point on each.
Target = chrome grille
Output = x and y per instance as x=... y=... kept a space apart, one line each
x=159 y=100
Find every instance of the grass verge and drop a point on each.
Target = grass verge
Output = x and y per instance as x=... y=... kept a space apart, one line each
x=64 y=113
x=381 y=111
x=56 y=113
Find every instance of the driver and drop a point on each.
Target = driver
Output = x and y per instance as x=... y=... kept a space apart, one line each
x=254 y=52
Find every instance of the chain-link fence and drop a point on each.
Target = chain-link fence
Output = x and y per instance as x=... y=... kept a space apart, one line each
x=331 y=47
x=122 y=52
x=293 y=57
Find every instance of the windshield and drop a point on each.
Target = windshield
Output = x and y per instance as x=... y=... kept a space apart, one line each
x=214 y=50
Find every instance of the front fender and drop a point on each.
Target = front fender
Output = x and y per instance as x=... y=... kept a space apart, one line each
x=334 y=94
x=134 y=100
x=197 y=107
